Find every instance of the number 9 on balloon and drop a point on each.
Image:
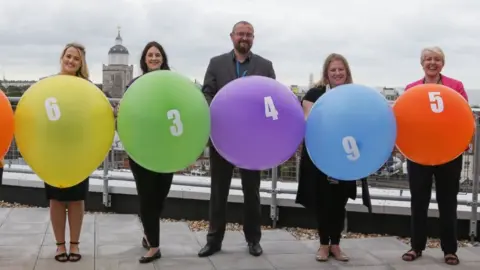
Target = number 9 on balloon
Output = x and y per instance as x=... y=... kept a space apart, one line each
x=350 y=132
x=351 y=148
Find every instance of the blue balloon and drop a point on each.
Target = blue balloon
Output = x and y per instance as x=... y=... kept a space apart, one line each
x=350 y=132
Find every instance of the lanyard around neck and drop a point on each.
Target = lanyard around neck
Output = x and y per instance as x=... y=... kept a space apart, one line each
x=238 y=70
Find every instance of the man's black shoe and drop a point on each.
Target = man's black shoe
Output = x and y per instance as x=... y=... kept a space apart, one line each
x=255 y=249
x=208 y=250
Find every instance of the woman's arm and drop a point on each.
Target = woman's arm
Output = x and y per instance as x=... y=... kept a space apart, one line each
x=307 y=106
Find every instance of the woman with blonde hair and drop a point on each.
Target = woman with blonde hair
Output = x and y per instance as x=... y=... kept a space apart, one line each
x=325 y=196
x=447 y=176
x=69 y=202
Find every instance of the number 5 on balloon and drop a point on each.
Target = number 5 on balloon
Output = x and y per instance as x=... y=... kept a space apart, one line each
x=177 y=128
x=436 y=102
x=270 y=110
x=351 y=148
x=52 y=109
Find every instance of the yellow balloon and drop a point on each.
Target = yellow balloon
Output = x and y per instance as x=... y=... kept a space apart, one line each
x=64 y=128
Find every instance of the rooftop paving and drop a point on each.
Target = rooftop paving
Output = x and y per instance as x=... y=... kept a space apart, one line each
x=113 y=241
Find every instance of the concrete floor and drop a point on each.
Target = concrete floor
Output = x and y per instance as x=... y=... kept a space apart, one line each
x=111 y=241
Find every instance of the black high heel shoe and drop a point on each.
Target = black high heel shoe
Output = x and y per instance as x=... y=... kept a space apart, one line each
x=156 y=256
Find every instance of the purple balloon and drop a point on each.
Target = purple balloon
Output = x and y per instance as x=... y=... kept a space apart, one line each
x=257 y=122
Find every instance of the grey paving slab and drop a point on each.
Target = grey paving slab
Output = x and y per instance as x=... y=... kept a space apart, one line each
x=49 y=264
x=231 y=238
x=277 y=235
x=18 y=263
x=185 y=263
x=122 y=264
x=18 y=239
x=175 y=227
x=29 y=215
x=113 y=242
x=4 y=212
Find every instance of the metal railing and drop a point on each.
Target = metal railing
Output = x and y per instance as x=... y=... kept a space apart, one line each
x=393 y=175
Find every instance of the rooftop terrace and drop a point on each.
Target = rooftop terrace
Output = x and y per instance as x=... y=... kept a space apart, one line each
x=112 y=241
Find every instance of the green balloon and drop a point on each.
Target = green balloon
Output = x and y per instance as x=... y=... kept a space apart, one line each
x=163 y=121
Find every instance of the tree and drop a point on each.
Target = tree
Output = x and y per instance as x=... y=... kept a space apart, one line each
x=14 y=91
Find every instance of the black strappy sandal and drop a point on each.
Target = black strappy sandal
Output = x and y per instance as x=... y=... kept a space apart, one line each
x=62 y=257
x=451 y=259
x=411 y=255
x=74 y=257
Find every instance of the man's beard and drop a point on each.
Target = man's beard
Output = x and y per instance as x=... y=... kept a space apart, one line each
x=242 y=49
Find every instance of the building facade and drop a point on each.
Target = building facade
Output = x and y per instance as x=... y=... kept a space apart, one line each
x=118 y=73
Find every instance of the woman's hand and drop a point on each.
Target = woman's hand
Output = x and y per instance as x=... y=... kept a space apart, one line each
x=115 y=109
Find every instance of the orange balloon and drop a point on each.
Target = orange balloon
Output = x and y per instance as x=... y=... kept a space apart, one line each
x=435 y=124
x=6 y=124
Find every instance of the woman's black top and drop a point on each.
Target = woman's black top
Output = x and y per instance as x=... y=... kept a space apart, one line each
x=313 y=183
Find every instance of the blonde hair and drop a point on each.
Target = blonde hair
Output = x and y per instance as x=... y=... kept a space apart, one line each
x=433 y=49
x=83 y=70
x=334 y=57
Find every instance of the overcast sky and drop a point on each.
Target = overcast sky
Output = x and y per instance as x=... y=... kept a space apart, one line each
x=381 y=39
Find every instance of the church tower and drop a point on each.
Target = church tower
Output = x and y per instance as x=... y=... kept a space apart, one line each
x=118 y=73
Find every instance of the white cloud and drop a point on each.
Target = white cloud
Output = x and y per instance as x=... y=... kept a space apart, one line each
x=381 y=39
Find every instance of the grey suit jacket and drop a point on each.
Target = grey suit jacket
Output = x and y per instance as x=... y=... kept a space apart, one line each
x=221 y=70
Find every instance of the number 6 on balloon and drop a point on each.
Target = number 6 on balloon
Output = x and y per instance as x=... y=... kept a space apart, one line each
x=270 y=110
x=177 y=128
x=351 y=148
x=52 y=109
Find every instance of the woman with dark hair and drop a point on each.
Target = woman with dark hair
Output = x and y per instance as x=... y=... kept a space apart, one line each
x=153 y=58
x=152 y=187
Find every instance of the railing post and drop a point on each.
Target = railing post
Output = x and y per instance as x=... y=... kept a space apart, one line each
x=273 y=204
x=297 y=167
x=476 y=176
x=106 y=196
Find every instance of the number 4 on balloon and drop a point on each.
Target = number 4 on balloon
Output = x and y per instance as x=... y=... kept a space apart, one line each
x=270 y=110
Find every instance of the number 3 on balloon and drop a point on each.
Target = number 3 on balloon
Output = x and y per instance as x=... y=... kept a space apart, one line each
x=351 y=148
x=436 y=102
x=177 y=128
x=270 y=110
x=52 y=109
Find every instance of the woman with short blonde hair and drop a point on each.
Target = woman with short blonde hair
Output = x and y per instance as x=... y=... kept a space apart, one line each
x=447 y=176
